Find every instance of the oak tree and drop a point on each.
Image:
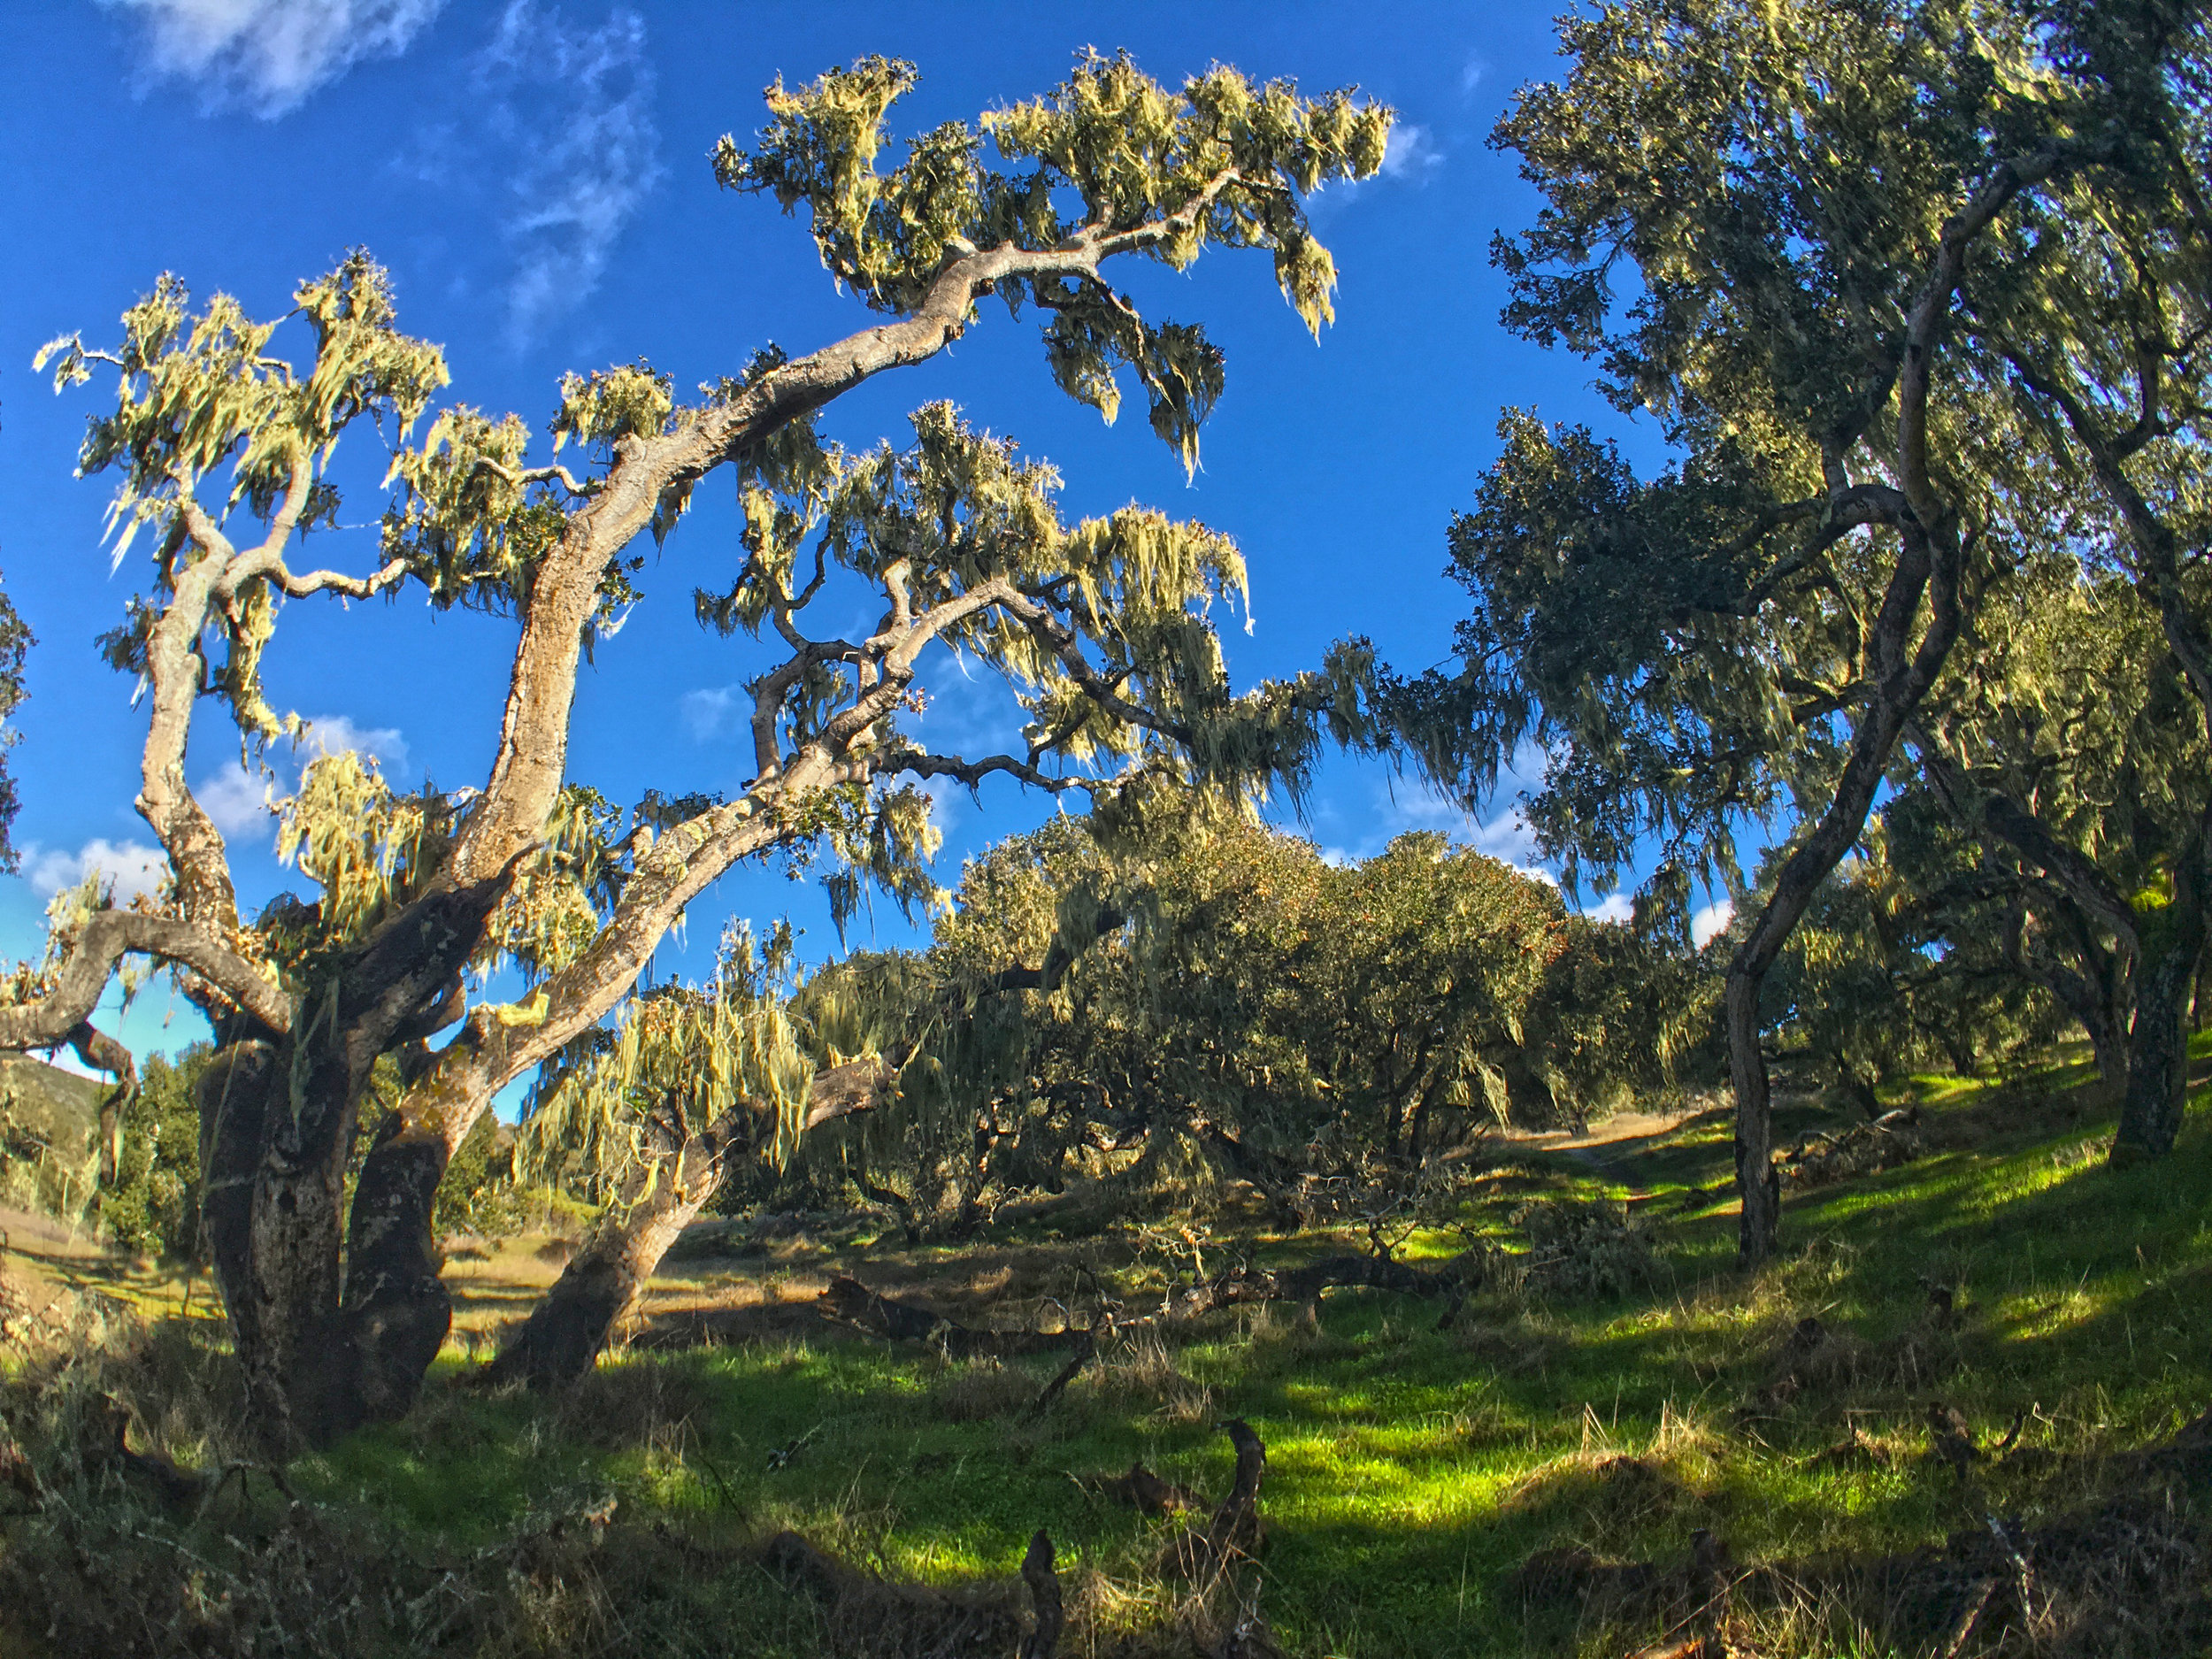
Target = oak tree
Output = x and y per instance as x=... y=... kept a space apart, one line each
x=220 y=439
x=1777 y=229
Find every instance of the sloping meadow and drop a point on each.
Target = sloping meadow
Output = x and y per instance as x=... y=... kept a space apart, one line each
x=1964 y=1415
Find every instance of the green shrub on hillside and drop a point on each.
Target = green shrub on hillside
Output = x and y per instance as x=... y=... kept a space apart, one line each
x=153 y=1207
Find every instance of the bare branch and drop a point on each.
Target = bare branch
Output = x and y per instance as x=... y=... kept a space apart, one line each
x=110 y=936
x=521 y=477
x=336 y=582
x=973 y=773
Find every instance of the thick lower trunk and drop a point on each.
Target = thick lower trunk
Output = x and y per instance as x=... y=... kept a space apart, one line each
x=397 y=1310
x=1529 y=1101
x=2158 y=1046
x=1857 y=1088
x=272 y=1161
x=234 y=1099
x=1758 y=1231
x=2108 y=1053
x=604 y=1279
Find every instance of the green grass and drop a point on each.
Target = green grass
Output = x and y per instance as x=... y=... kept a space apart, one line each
x=1411 y=1470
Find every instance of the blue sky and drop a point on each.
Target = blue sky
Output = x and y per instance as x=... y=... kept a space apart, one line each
x=534 y=174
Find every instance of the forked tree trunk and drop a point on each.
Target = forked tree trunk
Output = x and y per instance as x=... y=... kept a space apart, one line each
x=1903 y=682
x=274 y=1138
x=603 y=1280
x=397 y=1311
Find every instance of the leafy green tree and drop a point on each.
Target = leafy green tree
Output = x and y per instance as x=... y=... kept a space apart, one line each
x=1099 y=626
x=1422 y=967
x=152 y=1202
x=2100 y=354
x=1144 y=991
x=1897 y=967
x=2069 y=754
x=1816 y=203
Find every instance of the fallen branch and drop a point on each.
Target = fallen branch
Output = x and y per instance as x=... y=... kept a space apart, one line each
x=1243 y=1284
x=847 y=1299
x=1086 y=1346
x=870 y=1615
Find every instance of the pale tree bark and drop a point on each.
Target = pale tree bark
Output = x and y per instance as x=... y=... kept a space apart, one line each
x=331 y=1337
x=604 y=1280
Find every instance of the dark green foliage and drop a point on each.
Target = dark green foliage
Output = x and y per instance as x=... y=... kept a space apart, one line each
x=478 y=1194
x=154 y=1206
x=1196 y=995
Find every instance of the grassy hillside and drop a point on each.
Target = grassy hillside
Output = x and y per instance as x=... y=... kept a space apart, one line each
x=49 y=1121
x=1558 y=1468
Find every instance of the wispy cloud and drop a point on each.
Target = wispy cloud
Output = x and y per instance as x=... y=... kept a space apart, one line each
x=1472 y=73
x=1410 y=155
x=237 y=801
x=241 y=802
x=571 y=110
x=1408 y=807
x=336 y=734
x=969 y=711
x=269 y=55
x=708 y=712
x=132 y=868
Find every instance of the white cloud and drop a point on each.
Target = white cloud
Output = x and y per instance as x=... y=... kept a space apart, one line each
x=335 y=734
x=1709 y=923
x=948 y=802
x=1509 y=839
x=269 y=55
x=708 y=712
x=1471 y=73
x=1410 y=154
x=573 y=109
x=237 y=801
x=131 y=868
x=1615 y=907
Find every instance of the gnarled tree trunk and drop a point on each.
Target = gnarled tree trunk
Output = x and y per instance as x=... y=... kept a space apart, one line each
x=1903 y=681
x=2158 y=1037
x=272 y=1162
x=603 y=1280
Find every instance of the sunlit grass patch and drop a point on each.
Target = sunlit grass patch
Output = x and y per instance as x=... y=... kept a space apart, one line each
x=1412 y=1468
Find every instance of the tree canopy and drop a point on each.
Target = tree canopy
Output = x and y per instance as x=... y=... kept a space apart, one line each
x=1824 y=210
x=220 y=443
